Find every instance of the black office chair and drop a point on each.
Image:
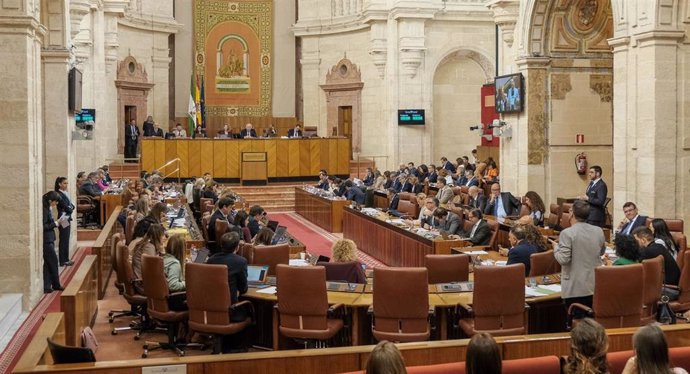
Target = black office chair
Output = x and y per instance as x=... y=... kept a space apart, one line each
x=63 y=354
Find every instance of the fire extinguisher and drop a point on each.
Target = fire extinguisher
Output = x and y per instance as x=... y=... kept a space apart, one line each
x=581 y=163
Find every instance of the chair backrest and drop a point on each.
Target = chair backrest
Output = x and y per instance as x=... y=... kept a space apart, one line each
x=684 y=283
x=407 y=207
x=448 y=268
x=554 y=215
x=653 y=281
x=407 y=196
x=208 y=294
x=401 y=304
x=206 y=205
x=129 y=228
x=246 y=250
x=543 y=263
x=302 y=297
x=493 y=225
x=204 y=225
x=674 y=225
x=499 y=298
x=222 y=226
x=155 y=284
x=681 y=245
x=271 y=255
x=116 y=238
x=63 y=354
x=350 y=272
x=564 y=221
x=126 y=273
x=618 y=295
x=524 y=210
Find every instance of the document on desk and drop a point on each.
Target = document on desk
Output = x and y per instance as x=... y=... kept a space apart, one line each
x=476 y=253
x=268 y=290
x=542 y=290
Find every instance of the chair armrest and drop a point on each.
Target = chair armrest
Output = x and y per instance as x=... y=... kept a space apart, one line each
x=334 y=309
x=175 y=294
x=583 y=307
x=244 y=302
x=465 y=310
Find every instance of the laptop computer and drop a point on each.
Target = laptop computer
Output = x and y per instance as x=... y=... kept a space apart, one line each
x=201 y=256
x=256 y=275
x=280 y=236
x=321 y=258
x=273 y=225
x=180 y=214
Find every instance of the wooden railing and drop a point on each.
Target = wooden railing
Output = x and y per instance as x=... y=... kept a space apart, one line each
x=36 y=353
x=338 y=360
x=102 y=248
x=79 y=301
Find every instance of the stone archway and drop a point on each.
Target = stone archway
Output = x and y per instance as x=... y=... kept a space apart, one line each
x=132 y=92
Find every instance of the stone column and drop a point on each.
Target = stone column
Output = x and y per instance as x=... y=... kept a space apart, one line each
x=22 y=143
x=311 y=62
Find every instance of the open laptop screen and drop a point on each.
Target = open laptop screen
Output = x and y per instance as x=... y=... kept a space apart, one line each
x=273 y=225
x=257 y=273
x=280 y=236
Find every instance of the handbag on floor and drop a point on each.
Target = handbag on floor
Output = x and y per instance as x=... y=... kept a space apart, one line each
x=664 y=313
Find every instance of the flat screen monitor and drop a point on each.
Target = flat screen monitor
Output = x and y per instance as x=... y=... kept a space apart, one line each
x=510 y=92
x=411 y=117
x=85 y=119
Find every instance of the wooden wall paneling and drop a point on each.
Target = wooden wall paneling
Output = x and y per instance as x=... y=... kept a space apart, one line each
x=271 y=157
x=183 y=154
x=37 y=352
x=206 y=156
x=314 y=156
x=79 y=300
x=304 y=157
x=232 y=160
x=344 y=156
x=259 y=145
x=325 y=156
x=194 y=158
x=148 y=155
x=160 y=154
x=282 y=157
x=171 y=154
x=558 y=345
x=244 y=146
x=333 y=156
x=293 y=158
x=220 y=159
x=287 y=365
x=282 y=124
x=101 y=248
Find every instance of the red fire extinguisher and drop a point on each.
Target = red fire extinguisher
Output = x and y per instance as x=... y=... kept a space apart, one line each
x=581 y=163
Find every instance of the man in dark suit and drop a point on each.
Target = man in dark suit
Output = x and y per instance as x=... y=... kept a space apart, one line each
x=476 y=200
x=521 y=249
x=157 y=131
x=237 y=270
x=470 y=180
x=426 y=215
x=256 y=214
x=353 y=192
x=502 y=204
x=393 y=198
x=448 y=222
x=447 y=165
x=224 y=206
x=131 y=140
x=248 y=132
x=64 y=208
x=650 y=249
x=323 y=180
x=296 y=132
x=632 y=219
x=90 y=187
x=148 y=126
x=479 y=233
x=596 y=197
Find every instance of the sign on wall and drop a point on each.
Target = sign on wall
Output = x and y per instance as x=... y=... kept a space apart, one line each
x=233 y=43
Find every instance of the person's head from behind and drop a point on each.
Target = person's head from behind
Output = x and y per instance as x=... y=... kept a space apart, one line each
x=627 y=247
x=344 y=250
x=264 y=236
x=241 y=218
x=644 y=236
x=229 y=242
x=50 y=199
x=580 y=210
x=651 y=350
x=176 y=247
x=588 y=347
x=158 y=211
x=155 y=235
x=385 y=359
x=483 y=355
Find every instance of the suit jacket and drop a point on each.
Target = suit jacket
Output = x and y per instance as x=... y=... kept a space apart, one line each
x=294 y=134
x=479 y=202
x=452 y=224
x=237 y=272
x=432 y=177
x=579 y=252
x=407 y=187
x=510 y=204
x=640 y=221
x=354 y=193
x=445 y=194
x=244 y=133
x=671 y=269
x=368 y=180
x=394 y=202
x=212 y=228
x=253 y=225
x=472 y=182
x=323 y=185
x=449 y=166
x=397 y=185
x=482 y=236
x=461 y=181
x=48 y=226
x=91 y=189
x=157 y=132
x=520 y=255
x=131 y=137
x=148 y=129
x=596 y=196
x=64 y=206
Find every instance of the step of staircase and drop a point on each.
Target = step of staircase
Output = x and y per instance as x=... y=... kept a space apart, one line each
x=118 y=170
x=10 y=313
x=358 y=169
x=273 y=198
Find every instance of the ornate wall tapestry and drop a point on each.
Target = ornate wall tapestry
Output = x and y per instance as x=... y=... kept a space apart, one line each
x=233 y=43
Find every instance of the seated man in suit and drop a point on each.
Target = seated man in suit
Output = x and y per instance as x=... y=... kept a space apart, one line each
x=448 y=222
x=224 y=207
x=296 y=132
x=394 y=199
x=157 y=131
x=470 y=179
x=445 y=164
x=476 y=201
x=433 y=174
x=502 y=204
x=445 y=193
x=353 y=192
x=323 y=180
x=521 y=249
x=179 y=132
x=426 y=215
x=632 y=220
x=479 y=233
x=248 y=132
x=256 y=219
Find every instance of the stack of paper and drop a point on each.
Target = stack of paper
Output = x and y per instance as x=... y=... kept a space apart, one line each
x=268 y=290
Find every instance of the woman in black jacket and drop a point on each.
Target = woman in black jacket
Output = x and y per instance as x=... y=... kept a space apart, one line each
x=64 y=207
x=51 y=277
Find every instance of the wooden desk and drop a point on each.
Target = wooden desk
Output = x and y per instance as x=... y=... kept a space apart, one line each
x=392 y=245
x=108 y=204
x=323 y=212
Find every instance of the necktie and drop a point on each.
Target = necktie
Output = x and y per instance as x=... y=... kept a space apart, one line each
x=496 y=202
x=134 y=134
x=591 y=184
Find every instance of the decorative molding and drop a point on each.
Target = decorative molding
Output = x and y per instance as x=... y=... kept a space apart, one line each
x=378 y=47
x=537 y=116
x=560 y=86
x=78 y=9
x=343 y=76
x=163 y=25
x=602 y=85
x=505 y=15
x=411 y=41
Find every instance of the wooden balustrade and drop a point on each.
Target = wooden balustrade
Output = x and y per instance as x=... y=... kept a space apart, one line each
x=102 y=248
x=79 y=301
x=36 y=353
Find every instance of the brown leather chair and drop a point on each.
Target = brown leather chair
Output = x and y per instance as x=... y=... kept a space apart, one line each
x=564 y=221
x=498 y=306
x=204 y=226
x=407 y=208
x=543 y=263
x=494 y=226
x=129 y=228
x=653 y=270
x=209 y=302
x=617 y=296
x=524 y=210
x=271 y=255
x=407 y=196
x=157 y=294
x=222 y=226
x=114 y=240
x=674 y=225
x=554 y=215
x=125 y=275
x=350 y=272
x=206 y=205
x=303 y=305
x=246 y=250
x=401 y=304
x=681 y=245
x=448 y=268
x=683 y=302
x=87 y=209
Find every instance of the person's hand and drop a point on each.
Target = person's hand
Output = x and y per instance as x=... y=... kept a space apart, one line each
x=584 y=197
x=630 y=366
x=503 y=251
x=554 y=244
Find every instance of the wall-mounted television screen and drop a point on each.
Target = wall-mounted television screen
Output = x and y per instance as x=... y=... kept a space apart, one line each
x=411 y=117
x=510 y=92
x=85 y=119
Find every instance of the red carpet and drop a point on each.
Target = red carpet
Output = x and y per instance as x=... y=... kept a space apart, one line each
x=317 y=240
x=48 y=304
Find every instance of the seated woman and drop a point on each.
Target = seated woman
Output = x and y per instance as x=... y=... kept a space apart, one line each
x=536 y=207
x=344 y=253
x=241 y=221
x=141 y=210
x=151 y=244
x=210 y=191
x=385 y=359
x=627 y=250
x=264 y=236
x=651 y=353
x=483 y=355
x=491 y=175
x=588 y=348
x=521 y=249
x=173 y=258
x=663 y=236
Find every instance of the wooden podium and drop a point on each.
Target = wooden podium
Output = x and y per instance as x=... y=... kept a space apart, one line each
x=254 y=169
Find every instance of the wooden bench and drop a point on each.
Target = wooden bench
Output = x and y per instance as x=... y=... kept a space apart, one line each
x=79 y=301
x=102 y=248
x=37 y=353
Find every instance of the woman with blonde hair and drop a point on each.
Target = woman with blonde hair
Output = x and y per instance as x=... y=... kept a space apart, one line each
x=385 y=359
x=141 y=210
x=151 y=244
x=588 y=348
x=651 y=353
x=344 y=250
